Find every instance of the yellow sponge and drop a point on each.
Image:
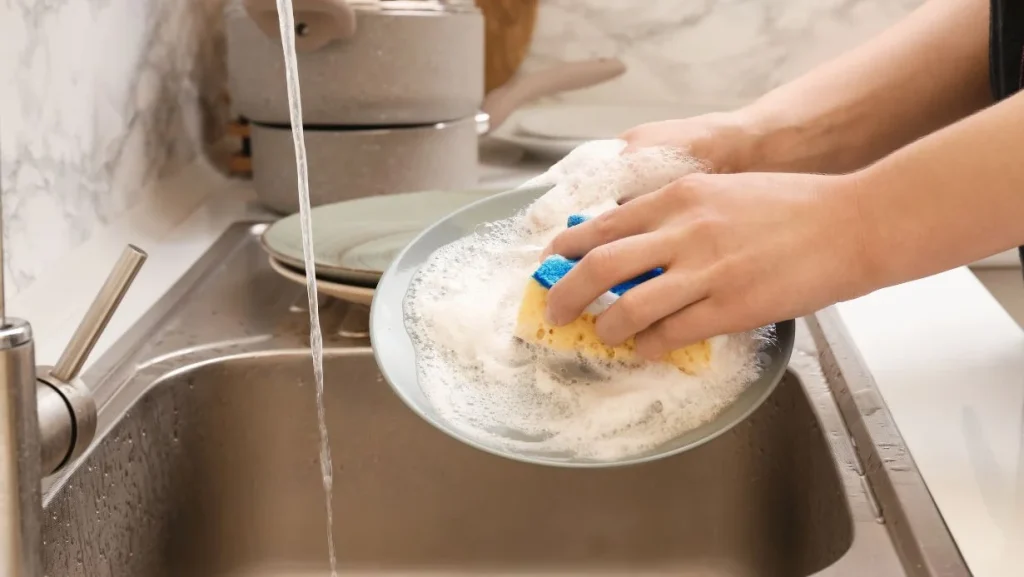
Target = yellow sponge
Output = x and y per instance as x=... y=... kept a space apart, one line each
x=580 y=336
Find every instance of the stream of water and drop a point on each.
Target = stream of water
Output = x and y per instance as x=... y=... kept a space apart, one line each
x=286 y=20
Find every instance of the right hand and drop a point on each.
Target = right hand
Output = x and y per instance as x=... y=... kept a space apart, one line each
x=739 y=251
x=721 y=140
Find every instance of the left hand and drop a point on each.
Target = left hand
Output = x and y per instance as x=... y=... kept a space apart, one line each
x=739 y=251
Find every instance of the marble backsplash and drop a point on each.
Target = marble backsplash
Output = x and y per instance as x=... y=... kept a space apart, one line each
x=705 y=52
x=98 y=100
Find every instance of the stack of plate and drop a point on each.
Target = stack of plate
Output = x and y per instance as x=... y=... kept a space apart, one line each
x=355 y=241
x=554 y=130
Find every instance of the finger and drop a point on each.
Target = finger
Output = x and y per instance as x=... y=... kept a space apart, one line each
x=633 y=138
x=701 y=320
x=647 y=304
x=603 y=268
x=617 y=223
x=662 y=133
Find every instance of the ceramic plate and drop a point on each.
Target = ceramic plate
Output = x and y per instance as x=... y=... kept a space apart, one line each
x=598 y=122
x=545 y=148
x=355 y=241
x=396 y=355
x=359 y=295
x=552 y=131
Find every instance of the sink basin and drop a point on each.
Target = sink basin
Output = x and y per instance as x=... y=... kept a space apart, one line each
x=207 y=466
x=215 y=472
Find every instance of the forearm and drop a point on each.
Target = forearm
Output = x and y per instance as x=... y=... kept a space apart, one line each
x=929 y=70
x=946 y=200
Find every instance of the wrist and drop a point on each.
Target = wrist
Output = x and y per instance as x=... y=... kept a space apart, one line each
x=789 y=135
x=738 y=138
x=773 y=141
x=860 y=246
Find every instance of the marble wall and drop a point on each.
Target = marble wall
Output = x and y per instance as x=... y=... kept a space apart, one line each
x=98 y=100
x=101 y=98
x=703 y=51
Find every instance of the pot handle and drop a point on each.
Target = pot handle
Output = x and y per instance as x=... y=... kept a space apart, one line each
x=504 y=100
x=317 y=22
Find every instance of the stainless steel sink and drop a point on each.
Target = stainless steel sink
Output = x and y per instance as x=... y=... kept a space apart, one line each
x=207 y=466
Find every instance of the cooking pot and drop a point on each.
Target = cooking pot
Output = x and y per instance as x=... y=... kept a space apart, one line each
x=392 y=95
x=361 y=62
x=353 y=162
x=380 y=63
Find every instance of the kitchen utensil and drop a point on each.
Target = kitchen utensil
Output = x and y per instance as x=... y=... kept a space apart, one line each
x=396 y=355
x=417 y=62
x=355 y=241
x=349 y=164
x=508 y=30
x=361 y=62
x=346 y=163
x=412 y=59
x=349 y=293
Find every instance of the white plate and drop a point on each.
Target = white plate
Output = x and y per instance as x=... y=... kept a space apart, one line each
x=599 y=122
x=546 y=148
x=552 y=131
x=354 y=294
x=355 y=240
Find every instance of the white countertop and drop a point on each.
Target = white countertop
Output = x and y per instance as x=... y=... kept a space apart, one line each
x=947 y=359
x=949 y=362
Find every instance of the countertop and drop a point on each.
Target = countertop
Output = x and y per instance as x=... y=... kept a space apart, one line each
x=949 y=362
x=947 y=358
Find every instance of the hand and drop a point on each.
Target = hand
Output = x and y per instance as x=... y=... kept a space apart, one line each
x=739 y=251
x=720 y=140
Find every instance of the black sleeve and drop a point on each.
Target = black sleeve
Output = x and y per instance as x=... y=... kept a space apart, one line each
x=1006 y=47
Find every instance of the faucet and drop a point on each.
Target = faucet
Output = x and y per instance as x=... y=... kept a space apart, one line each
x=47 y=415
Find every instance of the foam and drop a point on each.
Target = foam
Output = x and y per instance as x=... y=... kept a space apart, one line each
x=461 y=312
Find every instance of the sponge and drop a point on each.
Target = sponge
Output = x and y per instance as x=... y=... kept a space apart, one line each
x=580 y=335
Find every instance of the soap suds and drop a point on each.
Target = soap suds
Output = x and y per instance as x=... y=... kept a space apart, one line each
x=461 y=311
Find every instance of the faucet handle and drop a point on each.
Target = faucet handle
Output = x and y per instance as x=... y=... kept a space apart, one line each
x=66 y=409
x=99 y=314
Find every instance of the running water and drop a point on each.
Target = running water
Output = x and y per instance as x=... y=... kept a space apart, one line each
x=316 y=343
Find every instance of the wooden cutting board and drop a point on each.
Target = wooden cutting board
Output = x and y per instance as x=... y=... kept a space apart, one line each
x=509 y=29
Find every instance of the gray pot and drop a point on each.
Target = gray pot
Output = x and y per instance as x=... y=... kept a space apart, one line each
x=347 y=164
x=361 y=62
x=410 y=71
x=352 y=162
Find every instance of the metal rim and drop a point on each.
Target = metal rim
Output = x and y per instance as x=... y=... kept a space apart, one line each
x=14 y=332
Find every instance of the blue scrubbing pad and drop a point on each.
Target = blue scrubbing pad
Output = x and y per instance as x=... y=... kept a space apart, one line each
x=575 y=219
x=556 y=266
x=552 y=270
